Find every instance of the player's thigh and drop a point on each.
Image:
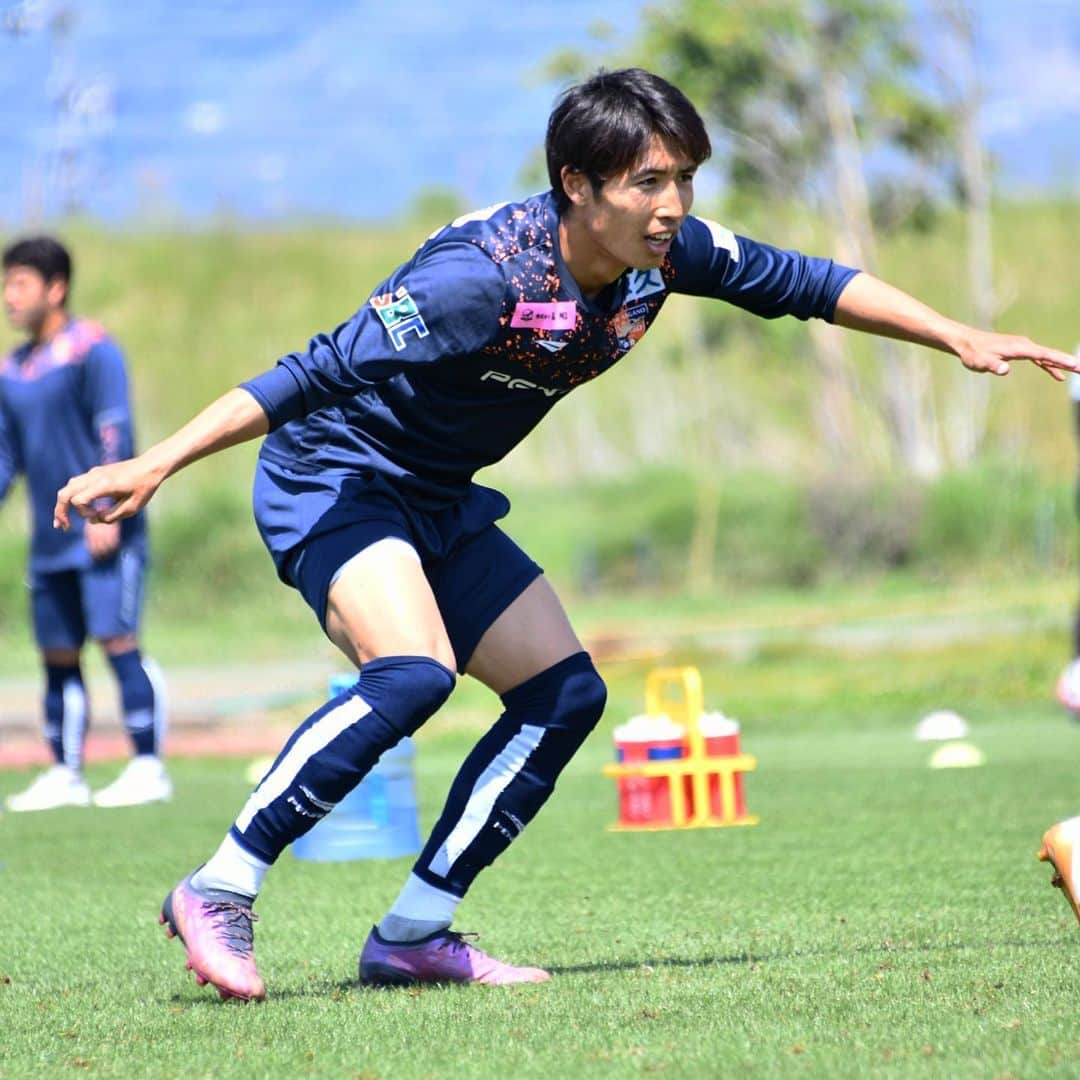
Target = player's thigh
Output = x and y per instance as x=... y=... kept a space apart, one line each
x=380 y=604
x=530 y=636
x=112 y=593
x=479 y=586
x=57 y=613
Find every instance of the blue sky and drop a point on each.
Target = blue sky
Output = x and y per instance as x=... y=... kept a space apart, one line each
x=270 y=108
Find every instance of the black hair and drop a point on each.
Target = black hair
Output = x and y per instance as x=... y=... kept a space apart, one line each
x=44 y=254
x=602 y=126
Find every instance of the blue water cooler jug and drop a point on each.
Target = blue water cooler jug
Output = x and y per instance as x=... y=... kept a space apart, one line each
x=377 y=819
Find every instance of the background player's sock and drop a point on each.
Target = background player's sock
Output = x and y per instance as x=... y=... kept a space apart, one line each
x=419 y=910
x=66 y=714
x=137 y=696
x=232 y=869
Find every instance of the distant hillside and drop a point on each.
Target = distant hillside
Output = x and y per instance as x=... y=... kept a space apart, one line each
x=710 y=396
x=198 y=312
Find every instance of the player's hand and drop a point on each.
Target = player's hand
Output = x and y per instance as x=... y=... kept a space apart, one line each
x=985 y=351
x=102 y=539
x=129 y=486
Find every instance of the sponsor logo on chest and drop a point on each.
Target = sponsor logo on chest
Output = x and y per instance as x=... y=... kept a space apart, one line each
x=512 y=382
x=550 y=315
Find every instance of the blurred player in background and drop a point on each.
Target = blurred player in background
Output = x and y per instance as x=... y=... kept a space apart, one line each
x=64 y=405
x=1068 y=687
x=1061 y=843
x=364 y=495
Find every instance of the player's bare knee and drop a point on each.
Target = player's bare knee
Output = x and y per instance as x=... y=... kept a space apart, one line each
x=437 y=647
x=361 y=647
x=61 y=657
x=115 y=646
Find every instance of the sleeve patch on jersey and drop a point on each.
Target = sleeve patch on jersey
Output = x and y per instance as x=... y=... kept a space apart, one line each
x=722 y=237
x=400 y=316
x=557 y=315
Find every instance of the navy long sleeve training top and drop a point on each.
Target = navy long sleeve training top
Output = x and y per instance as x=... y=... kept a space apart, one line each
x=463 y=350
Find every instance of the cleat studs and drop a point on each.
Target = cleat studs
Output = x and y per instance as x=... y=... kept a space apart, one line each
x=202 y=980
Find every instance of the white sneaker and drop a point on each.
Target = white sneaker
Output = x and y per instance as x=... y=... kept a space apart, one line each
x=144 y=780
x=58 y=786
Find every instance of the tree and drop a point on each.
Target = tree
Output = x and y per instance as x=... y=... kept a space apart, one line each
x=804 y=94
x=967 y=417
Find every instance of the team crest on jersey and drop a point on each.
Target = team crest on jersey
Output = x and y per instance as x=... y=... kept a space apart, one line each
x=400 y=316
x=629 y=325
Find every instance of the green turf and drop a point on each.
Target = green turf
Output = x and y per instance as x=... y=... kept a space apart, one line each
x=883 y=918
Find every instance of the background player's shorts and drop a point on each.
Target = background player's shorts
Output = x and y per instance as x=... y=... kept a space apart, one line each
x=475 y=570
x=102 y=601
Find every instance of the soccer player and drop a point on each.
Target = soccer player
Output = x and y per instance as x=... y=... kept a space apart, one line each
x=364 y=495
x=1068 y=686
x=64 y=408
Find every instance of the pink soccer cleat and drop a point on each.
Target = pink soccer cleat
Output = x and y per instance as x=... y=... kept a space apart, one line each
x=1061 y=848
x=440 y=957
x=216 y=929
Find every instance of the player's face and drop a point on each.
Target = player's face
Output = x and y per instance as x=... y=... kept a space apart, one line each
x=632 y=221
x=29 y=299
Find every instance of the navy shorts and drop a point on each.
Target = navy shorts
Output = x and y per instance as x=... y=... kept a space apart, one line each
x=102 y=601
x=475 y=570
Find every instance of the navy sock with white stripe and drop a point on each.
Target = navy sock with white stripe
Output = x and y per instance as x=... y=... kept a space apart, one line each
x=332 y=751
x=66 y=713
x=511 y=772
x=137 y=699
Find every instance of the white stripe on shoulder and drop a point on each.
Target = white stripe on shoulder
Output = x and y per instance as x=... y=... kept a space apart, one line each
x=722 y=237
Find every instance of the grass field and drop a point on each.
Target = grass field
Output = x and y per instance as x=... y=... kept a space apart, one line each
x=883 y=919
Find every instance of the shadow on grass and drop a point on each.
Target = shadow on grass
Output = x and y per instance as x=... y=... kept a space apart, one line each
x=882 y=948
x=329 y=988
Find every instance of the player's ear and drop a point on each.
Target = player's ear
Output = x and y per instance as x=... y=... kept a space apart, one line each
x=577 y=185
x=56 y=291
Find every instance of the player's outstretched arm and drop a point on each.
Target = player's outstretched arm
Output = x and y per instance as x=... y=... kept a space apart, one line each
x=869 y=304
x=234 y=418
